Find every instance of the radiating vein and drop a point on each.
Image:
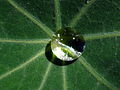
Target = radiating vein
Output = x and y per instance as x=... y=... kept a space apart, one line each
x=58 y=15
x=24 y=41
x=45 y=76
x=114 y=3
x=96 y=74
x=82 y=12
x=32 y=18
x=64 y=78
x=22 y=65
x=102 y=35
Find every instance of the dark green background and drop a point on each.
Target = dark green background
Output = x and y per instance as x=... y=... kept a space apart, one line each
x=104 y=54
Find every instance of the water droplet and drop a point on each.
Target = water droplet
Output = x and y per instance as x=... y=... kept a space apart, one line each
x=87 y=1
x=65 y=47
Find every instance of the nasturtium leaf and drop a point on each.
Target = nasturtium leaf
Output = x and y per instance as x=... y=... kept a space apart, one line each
x=26 y=26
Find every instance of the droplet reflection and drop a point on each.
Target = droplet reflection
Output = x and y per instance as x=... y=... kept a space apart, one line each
x=65 y=47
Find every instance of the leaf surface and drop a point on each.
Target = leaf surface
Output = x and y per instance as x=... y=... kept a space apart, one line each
x=26 y=26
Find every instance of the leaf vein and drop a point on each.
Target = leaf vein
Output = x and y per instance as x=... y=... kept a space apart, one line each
x=96 y=74
x=45 y=76
x=58 y=15
x=41 y=52
x=114 y=3
x=82 y=12
x=32 y=18
x=101 y=35
x=25 y=41
x=64 y=78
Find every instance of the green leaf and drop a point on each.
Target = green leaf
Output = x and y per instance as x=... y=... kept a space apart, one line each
x=26 y=26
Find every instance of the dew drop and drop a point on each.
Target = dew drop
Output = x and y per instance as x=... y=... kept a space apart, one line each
x=65 y=47
x=87 y=1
